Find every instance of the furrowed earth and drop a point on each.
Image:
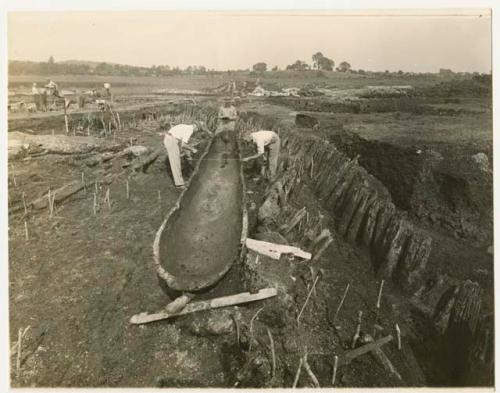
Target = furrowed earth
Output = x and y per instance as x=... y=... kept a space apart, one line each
x=402 y=180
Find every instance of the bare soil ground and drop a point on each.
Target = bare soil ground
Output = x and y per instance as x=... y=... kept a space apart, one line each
x=80 y=276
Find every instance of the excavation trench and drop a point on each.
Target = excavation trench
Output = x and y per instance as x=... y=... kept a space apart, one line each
x=373 y=239
x=449 y=308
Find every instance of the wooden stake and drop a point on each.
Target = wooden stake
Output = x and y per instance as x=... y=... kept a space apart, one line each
x=26 y=230
x=310 y=373
x=128 y=190
x=50 y=203
x=24 y=203
x=341 y=303
x=335 y=365
x=323 y=248
x=95 y=204
x=273 y=370
x=398 y=333
x=251 y=327
x=19 y=347
x=380 y=293
x=159 y=196
x=307 y=299
x=358 y=330
x=66 y=119
x=313 y=276
x=107 y=199
x=297 y=374
x=14 y=180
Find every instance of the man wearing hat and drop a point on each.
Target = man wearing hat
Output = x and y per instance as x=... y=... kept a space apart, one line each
x=268 y=145
x=176 y=140
x=53 y=92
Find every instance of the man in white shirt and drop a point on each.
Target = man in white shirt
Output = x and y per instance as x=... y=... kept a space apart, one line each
x=176 y=139
x=268 y=147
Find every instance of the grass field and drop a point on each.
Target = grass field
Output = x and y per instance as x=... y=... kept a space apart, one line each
x=134 y=85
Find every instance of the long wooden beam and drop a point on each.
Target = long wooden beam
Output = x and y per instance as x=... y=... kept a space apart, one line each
x=225 y=301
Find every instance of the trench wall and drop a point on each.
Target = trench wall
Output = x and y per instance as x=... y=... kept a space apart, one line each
x=361 y=206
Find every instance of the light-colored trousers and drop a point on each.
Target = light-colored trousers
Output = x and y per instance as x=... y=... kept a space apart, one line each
x=174 y=157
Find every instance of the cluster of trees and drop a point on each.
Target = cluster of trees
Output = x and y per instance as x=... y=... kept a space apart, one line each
x=320 y=63
x=52 y=68
x=33 y=68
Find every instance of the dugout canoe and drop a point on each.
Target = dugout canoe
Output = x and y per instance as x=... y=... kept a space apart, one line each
x=204 y=234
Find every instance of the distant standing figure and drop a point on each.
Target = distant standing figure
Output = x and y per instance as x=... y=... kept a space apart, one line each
x=52 y=91
x=268 y=147
x=227 y=120
x=107 y=90
x=51 y=85
x=177 y=139
x=36 y=97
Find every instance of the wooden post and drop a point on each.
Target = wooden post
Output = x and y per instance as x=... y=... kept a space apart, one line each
x=19 y=347
x=380 y=293
x=341 y=303
x=66 y=118
x=26 y=230
x=398 y=333
x=307 y=299
x=297 y=375
x=24 y=203
x=358 y=330
x=335 y=365
x=95 y=204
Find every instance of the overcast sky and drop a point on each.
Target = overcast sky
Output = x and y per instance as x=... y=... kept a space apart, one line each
x=223 y=41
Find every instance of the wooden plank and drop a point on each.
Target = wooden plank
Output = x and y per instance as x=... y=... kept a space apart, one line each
x=204 y=305
x=349 y=356
x=274 y=251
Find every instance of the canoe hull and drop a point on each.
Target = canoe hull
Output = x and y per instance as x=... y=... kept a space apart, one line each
x=204 y=234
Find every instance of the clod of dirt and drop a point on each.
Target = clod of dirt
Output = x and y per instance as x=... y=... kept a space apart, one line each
x=217 y=323
x=303 y=120
x=270 y=209
x=482 y=162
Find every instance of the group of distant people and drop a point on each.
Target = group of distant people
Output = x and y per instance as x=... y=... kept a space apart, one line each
x=45 y=97
x=266 y=143
x=42 y=95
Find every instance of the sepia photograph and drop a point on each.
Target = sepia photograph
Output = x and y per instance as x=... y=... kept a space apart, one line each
x=249 y=198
